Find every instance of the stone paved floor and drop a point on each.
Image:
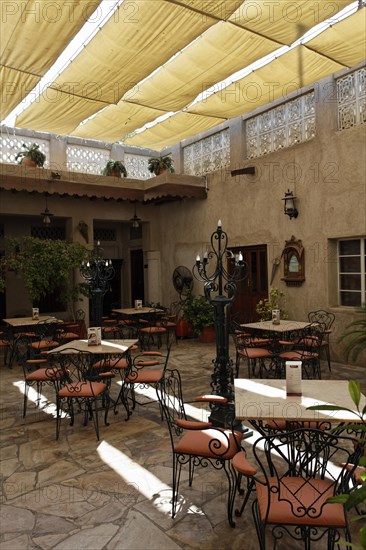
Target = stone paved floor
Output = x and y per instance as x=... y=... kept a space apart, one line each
x=79 y=493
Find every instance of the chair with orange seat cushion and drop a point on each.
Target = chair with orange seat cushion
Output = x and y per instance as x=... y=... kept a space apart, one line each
x=152 y=330
x=147 y=369
x=304 y=346
x=37 y=369
x=294 y=475
x=80 y=388
x=327 y=319
x=196 y=442
x=255 y=352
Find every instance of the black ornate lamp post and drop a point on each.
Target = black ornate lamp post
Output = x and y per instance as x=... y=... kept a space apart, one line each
x=97 y=273
x=220 y=289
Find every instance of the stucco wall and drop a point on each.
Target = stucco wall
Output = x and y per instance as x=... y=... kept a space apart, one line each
x=327 y=175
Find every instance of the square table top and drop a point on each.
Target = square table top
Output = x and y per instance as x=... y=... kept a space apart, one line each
x=135 y=311
x=263 y=399
x=27 y=321
x=284 y=326
x=106 y=346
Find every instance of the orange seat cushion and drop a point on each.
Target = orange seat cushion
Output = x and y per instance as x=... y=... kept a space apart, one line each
x=307 y=507
x=151 y=376
x=82 y=389
x=44 y=374
x=44 y=344
x=213 y=443
x=255 y=353
x=192 y=425
x=242 y=465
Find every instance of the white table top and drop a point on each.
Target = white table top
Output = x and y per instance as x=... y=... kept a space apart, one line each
x=107 y=346
x=284 y=326
x=134 y=311
x=27 y=321
x=265 y=399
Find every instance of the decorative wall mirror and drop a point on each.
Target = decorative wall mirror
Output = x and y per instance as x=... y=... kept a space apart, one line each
x=294 y=262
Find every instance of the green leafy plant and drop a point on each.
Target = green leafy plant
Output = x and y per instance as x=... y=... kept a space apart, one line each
x=157 y=164
x=355 y=336
x=274 y=301
x=198 y=311
x=358 y=495
x=33 y=152
x=46 y=266
x=115 y=167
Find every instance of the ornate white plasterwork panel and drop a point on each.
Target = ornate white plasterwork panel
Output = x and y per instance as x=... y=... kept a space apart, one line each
x=207 y=154
x=89 y=160
x=351 y=99
x=283 y=126
x=12 y=144
x=136 y=166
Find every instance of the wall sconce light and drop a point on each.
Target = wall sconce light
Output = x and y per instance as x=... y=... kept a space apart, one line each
x=46 y=215
x=289 y=205
x=135 y=221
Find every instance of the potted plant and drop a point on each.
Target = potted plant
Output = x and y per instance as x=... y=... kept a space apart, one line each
x=158 y=165
x=355 y=337
x=264 y=307
x=115 y=168
x=46 y=266
x=31 y=156
x=198 y=311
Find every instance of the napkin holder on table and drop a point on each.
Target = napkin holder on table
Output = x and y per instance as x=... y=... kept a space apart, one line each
x=94 y=336
x=293 y=378
x=138 y=304
x=35 y=313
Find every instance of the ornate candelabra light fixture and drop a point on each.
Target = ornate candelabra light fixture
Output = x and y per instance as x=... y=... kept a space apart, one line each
x=97 y=273
x=220 y=289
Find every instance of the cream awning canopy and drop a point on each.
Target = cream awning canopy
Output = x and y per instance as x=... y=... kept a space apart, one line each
x=155 y=58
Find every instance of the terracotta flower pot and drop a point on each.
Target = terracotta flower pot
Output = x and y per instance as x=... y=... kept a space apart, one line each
x=27 y=161
x=183 y=329
x=208 y=335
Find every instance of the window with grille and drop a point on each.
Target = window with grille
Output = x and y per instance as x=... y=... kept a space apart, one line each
x=48 y=232
x=352 y=272
x=105 y=234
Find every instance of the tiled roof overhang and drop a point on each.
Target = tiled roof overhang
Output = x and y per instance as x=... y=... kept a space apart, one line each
x=75 y=184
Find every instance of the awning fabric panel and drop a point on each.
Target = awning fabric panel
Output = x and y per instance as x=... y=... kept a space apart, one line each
x=344 y=42
x=181 y=126
x=298 y=67
x=156 y=56
x=285 y=20
x=116 y=121
x=57 y=112
x=33 y=33
x=14 y=86
x=218 y=53
x=126 y=50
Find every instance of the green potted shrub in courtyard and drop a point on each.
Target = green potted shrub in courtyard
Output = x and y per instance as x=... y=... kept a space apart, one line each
x=158 y=165
x=115 y=168
x=46 y=266
x=199 y=313
x=31 y=155
x=274 y=301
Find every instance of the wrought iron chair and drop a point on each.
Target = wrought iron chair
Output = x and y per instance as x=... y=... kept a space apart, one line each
x=80 y=386
x=295 y=473
x=304 y=346
x=327 y=319
x=196 y=443
x=7 y=345
x=255 y=352
x=152 y=330
x=147 y=369
x=37 y=369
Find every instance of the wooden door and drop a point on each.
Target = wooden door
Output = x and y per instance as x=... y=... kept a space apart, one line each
x=137 y=276
x=254 y=286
